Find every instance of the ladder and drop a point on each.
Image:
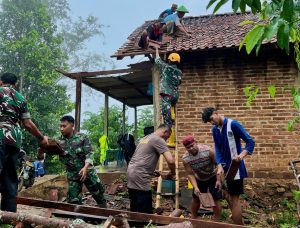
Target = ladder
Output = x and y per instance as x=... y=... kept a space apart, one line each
x=172 y=143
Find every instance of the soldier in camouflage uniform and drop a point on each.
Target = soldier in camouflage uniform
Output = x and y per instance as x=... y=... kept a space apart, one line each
x=169 y=81
x=13 y=111
x=79 y=164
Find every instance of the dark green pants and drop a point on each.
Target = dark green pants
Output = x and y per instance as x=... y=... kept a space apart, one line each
x=92 y=183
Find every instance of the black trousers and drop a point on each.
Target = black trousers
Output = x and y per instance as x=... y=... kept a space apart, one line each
x=8 y=177
x=140 y=201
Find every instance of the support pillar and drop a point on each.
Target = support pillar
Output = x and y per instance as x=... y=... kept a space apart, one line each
x=78 y=102
x=135 y=123
x=105 y=130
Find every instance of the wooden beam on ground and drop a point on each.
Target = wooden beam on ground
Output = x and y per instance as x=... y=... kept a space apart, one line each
x=157 y=219
x=7 y=217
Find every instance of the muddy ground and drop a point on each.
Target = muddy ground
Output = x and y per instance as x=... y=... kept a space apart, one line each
x=267 y=211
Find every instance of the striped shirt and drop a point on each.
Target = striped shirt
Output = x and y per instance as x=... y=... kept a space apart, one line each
x=202 y=163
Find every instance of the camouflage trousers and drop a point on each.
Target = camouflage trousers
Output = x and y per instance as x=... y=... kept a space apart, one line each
x=92 y=183
x=166 y=103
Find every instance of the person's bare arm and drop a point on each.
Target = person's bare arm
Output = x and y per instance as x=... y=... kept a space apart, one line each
x=191 y=176
x=32 y=129
x=183 y=29
x=171 y=163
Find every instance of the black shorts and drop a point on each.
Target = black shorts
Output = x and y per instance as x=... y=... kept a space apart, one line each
x=209 y=185
x=235 y=187
x=140 y=201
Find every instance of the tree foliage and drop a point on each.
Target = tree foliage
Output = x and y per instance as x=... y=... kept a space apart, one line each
x=31 y=49
x=94 y=126
x=38 y=36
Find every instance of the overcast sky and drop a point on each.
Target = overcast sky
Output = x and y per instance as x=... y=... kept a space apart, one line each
x=120 y=18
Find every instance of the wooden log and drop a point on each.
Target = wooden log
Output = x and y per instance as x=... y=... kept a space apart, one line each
x=35 y=220
x=132 y=216
x=178 y=225
x=176 y=213
x=108 y=222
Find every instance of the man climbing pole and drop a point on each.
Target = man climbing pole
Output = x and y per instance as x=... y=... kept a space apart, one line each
x=169 y=81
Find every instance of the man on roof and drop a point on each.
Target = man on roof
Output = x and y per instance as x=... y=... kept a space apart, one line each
x=168 y=12
x=174 y=23
x=152 y=33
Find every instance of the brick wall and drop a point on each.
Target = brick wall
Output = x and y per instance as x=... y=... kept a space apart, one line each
x=217 y=78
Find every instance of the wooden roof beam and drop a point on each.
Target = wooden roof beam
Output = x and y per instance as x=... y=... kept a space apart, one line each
x=96 y=73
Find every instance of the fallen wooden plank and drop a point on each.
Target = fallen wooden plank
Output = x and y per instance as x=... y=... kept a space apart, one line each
x=36 y=220
x=158 y=219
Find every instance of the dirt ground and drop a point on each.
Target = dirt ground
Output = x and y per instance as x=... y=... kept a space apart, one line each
x=257 y=212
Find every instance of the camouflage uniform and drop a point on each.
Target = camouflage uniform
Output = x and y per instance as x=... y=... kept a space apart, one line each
x=169 y=81
x=13 y=109
x=78 y=152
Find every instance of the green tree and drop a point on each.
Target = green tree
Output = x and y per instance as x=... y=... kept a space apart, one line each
x=94 y=127
x=31 y=49
x=145 y=119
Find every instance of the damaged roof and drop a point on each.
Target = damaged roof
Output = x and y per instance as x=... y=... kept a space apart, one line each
x=208 y=32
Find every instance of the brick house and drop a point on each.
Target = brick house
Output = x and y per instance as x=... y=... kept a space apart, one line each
x=215 y=73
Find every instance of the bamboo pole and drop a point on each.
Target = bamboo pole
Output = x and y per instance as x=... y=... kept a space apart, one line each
x=156 y=106
x=159 y=182
x=176 y=163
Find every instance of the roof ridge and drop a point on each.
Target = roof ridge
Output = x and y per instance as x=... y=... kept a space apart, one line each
x=211 y=15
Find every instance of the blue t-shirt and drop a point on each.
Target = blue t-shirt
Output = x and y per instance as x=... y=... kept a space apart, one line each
x=167 y=11
x=173 y=17
x=223 y=155
x=39 y=168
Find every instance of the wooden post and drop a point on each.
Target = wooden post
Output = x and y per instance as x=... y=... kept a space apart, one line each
x=176 y=163
x=135 y=123
x=156 y=96
x=106 y=115
x=156 y=106
x=123 y=115
x=78 y=102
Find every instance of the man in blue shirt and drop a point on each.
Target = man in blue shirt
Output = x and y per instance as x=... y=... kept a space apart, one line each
x=168 y=12
x=227 y=136
x=174 y=23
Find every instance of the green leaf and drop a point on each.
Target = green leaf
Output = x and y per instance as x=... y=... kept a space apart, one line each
x=246 y=22
x=290 y=125
x=253 y=37
x=221 y=3
x=243 y=6
x=283 y=37
x=257 y=5
x=287 y=10
x=210 y=3
x=271 y=29
x=293 y=35
x=296 y=101
x=272 y=91
x=235 y=5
